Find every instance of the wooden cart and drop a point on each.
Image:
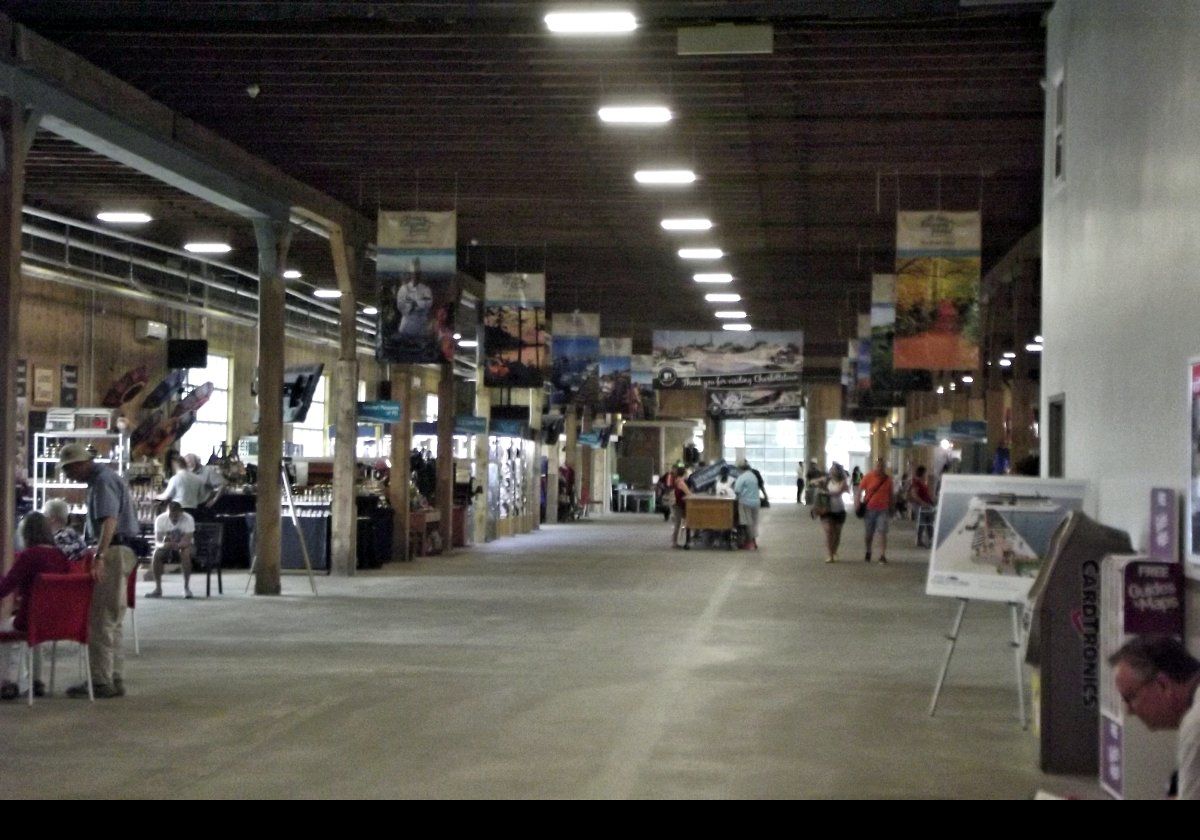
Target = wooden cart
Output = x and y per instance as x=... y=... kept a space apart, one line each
x=713 y=514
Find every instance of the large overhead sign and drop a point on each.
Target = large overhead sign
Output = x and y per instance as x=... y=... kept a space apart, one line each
x=516 y=351
x=685 y=359
x=416 y=267
x=772 y=403
x=937 y=290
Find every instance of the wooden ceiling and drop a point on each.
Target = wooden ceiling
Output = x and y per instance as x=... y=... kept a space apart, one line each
x=804 y=155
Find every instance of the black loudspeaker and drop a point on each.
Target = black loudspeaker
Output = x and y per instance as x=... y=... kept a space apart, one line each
x=183 y=353
x=383 y=390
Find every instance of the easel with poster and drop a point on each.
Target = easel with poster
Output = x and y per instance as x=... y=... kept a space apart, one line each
x=990 y=538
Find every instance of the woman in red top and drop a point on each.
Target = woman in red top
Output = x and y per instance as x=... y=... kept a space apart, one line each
x=681 y=491
x=40 y=556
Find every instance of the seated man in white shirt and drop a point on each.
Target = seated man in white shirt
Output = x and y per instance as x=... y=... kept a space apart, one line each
x=173 y=534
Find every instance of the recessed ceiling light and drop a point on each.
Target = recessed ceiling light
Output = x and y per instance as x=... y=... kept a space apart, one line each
x=730 y=313
x=330 y=294
x=941 y=390
x=468 y=342
x=701 y=253
x=738 y=327
x=1006 y=363
x=968 y=379
x=591 y=23
x=686 y=224
x=124 y=218
x=953 y=387
x=207 y=248
x=635 y=114
x=457 y=336
x=1033 y=347
x=722 y=298
x=1038 y=339
x=292 y=274
x=1010 y=354
x=370 y=310
x=713 y=278
x=675 y=177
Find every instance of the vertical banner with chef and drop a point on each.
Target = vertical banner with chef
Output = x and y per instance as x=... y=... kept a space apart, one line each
x=417 y=265
x=937 y=290
x=575 y=352
x=617 y=394
x=516 y=349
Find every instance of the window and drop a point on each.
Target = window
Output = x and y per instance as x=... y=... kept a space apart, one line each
x=211 y=428
x=312 y=434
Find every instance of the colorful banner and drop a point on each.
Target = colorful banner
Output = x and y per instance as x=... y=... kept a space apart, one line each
x=416 y=267
x=757 y=403
x=884 y=376
x=642 y=375
x=684 y=359
x=617 y=394
x=575 y=357
x=516 y=347
x=937 y=290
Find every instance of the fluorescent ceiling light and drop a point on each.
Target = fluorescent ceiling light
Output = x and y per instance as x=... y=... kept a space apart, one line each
x=723 y=298
x=1006 y=363
x=124 y=218
x=207 y=248
x=738 y=327
x=1033 y=348
x=665 y=176
x=1010 y=354
x=968 y=379
x=635 y=114
x=1038 y=339
x=468 y=342
x=701 y=253
x=686 y=224
x=370 y=310
x=730 y=313
x=941 y=390
x=331 y=294
x=953 y=386
x=713 y=278
x=292 y=274
x=457 y=336
x=591 y=23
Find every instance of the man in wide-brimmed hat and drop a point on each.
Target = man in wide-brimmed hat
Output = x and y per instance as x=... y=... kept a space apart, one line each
x=112 y=526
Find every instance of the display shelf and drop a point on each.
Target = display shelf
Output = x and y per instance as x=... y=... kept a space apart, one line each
x=95 y=460
x=63 y=485
x=113 y=452
x=83 y=433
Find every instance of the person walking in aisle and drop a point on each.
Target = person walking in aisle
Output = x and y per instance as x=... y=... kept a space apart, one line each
x=679 y=492
x=799 y=482
x=875 y=492
x=830 y=506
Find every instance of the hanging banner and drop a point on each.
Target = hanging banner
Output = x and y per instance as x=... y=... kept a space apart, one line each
x=937 y=290
x=642 y=376
x=771 y=403
x=416 y=268
x=615 y=368
x=862 y=365
x=685 y=359
x=884 y=376
x=515 y=340
x=575 y=357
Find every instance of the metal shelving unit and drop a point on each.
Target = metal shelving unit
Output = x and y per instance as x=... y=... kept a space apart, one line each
x=112 y=449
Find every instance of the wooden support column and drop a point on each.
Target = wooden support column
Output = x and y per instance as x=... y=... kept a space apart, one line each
x=12 y=196
x=483 y=408
x=273 y=238
x=586 y=459
x=401 y=446
x=552 y=461
x=344 y=528
x=712 y=439
x=445 y=455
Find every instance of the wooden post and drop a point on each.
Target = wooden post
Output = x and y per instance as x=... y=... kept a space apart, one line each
x=401 y=445
x=12 y=197
x=273 y=238
x=445 y=455
x=483 y=408
x=586 y=484
x=344 y=528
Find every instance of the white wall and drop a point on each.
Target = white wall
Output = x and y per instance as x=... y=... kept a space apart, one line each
x=1121 y=247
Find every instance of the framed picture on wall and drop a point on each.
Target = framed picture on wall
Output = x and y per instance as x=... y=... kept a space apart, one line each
x=43 y=385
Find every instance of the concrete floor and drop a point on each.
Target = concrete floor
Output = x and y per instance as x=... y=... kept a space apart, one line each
x=586 y=660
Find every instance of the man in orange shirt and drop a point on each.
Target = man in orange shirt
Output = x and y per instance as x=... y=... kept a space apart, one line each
x=876 y=491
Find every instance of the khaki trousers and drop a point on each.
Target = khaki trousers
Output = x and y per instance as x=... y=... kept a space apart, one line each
x=107 y=620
